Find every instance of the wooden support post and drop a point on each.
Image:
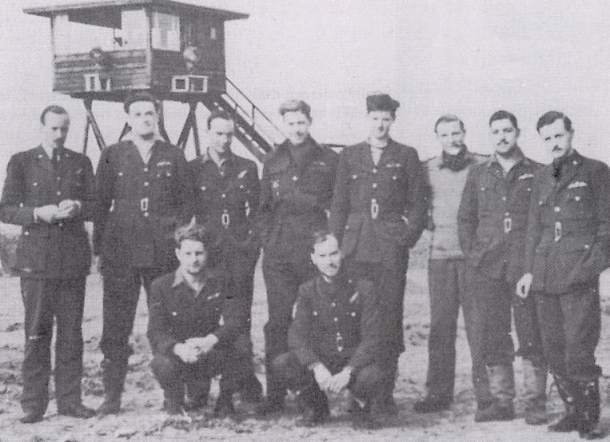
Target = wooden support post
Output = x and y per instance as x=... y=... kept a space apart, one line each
x=93 y=122
x=162 y=130
x=126 y=129
x=86 y=136
x=184 y=134
x=195 y=127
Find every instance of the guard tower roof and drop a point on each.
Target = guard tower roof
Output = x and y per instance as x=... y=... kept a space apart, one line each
x=47 y=11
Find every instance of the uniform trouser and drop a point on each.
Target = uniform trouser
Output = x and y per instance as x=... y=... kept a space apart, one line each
x=282 y=280
x=570 y=324
x=447 y=287
x=44 y=299
x=240 y=266
x=120 y=301
x=229 y=361
x=389 y=279
x=364 y=384
x=495 y=297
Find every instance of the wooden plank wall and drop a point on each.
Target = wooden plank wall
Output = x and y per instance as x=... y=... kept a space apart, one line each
x=166 y=64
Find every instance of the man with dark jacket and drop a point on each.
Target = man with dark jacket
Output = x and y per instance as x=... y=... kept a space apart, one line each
x=492 y=221
x=378 y=212
x=446 y=176
x=195 y=328
x=567 y=247
x=50 y=192
x=226 y=199
x=334 y=340
x=143 y=191
x=296 y=189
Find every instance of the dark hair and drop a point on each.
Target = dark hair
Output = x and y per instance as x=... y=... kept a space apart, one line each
x=449 y=118
x=54 y=109
x=295 y=106
x=140 y=96
x=381 y=102
x=319 y=236
x=219 y=114
x=504 y=115
x=196 y=232
x=552 y=116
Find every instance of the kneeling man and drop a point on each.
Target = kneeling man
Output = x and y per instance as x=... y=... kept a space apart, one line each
x=334 y=340
x=194 y=328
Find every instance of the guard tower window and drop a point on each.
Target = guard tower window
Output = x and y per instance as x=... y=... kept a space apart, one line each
x=109 y=30
x=166 y=31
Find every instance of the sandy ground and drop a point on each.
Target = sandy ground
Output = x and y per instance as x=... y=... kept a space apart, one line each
x=142 y=419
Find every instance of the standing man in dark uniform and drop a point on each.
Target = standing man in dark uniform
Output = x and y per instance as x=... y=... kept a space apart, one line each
x=195 y=327
x=568 y=241
x=143 y=190
x=296 y=190
x=50 y=192
x=378 y=212
x=227 y=193
x=446 y=176
x=492 y=222
x=334 y=339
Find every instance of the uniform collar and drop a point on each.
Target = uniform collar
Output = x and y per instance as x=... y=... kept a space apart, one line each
x=493 y=158
x=208 y=156
x=456 y=162
x=179 y=279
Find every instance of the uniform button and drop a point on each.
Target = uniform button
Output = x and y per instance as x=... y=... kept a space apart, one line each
x=146 y=169
x=174 y=314
x=58 y=192
x=374 y=170
x=120 y=173
x=146 y=184
x=503 y=198
x=506 y=213
x=26 y=233
x=294 y=178
x=587 y=246
x=61 y=224
x=336 y=319
x=557 y=209
x=332 y=304
x=58 y=178
x=374 y=185
x=35 y=184
x=577 y=198
x=223 y=195
x=203 y=187
x=575 y=162
x=353 y=313
x=146 y=214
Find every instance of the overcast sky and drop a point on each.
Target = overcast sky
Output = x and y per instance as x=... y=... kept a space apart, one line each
x=465 y=57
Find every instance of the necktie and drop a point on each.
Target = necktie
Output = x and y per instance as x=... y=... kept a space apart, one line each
x=55 y=159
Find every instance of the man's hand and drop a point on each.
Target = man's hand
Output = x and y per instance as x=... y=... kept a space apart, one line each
x=68 y=209
x=339 y=381
x=524 y=285
x=322 y=375
x=187 y=353
x=48 y=213
x=204 y=344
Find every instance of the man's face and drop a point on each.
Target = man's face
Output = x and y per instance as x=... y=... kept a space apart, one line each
x=451 y=136
x=557 y=139
x=220 y=135
x=142 y=118
x=297 y=127
x=326 y=257
x=192 y=256
x=504 y=136
x=55 y=129
x=380 y=123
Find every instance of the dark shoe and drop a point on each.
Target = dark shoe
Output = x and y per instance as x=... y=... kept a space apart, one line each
x=269 y=406
x=362 y=419
x=431 y=405
x=251 y=389
x=569 y=422
x=386 y=406
x=111 y=404
x=173 y=408
x=224 y=406
x=78 y=410
x=535 y=416
x=31 y=417
x=312 y=417
x=588 y=410
x=495 y=412
x=197 y=393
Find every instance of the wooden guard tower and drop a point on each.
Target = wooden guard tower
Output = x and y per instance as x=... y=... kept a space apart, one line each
x=105 y=50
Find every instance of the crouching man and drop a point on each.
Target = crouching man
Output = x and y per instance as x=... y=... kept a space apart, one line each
x=193 y=328
x=333 y=340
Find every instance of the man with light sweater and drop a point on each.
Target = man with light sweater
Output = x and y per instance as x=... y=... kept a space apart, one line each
x=446 y=176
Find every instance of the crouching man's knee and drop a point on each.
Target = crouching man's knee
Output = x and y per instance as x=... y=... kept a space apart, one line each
x=368 y=382
x=166 y=370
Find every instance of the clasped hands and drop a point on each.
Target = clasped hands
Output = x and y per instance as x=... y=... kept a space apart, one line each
x=191 y=349
x=329 y=382
x=51 y=213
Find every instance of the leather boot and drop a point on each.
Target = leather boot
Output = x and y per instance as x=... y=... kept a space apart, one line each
x=313 y=404
x=113 y=377
x=502 y=387
x=173 y=402
x=362 y=418
x=197 y=391
x=385 y=403
x=534 y=382
x=570 y=421
x=587 y=407
x=251 y=389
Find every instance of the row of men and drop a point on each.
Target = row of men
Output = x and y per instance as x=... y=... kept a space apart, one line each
x=376 y=199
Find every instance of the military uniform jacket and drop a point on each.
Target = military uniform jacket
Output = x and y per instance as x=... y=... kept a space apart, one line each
x=294 y=199
x=226 y=201
x=61 y=249
x=139 y=206
x=569 y=225
x=177 y=313
x=378 y=208
x=492 y=218
x=336 y=324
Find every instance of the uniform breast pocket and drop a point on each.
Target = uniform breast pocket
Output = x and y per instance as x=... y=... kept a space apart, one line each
x=578 y=203
x=164 y=176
